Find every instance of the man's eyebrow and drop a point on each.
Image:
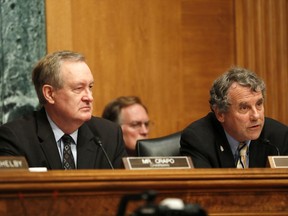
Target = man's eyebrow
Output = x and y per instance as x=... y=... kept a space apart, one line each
x=243 y=103
x=83 y=83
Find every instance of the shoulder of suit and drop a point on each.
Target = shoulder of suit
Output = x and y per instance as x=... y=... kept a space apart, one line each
x=273 y=122
x=206 y=121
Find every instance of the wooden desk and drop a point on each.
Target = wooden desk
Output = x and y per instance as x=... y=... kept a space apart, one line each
x=98 y=192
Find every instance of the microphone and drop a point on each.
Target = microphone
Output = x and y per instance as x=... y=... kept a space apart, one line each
x=99 y=143
x=266 y=141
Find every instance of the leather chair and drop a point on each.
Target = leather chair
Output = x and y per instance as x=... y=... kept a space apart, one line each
x=162 y=146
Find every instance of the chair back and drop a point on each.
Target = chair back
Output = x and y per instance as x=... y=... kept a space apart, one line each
x=161 y=146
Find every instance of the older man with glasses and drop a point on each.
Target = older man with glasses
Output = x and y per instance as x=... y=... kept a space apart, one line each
x=133 y=117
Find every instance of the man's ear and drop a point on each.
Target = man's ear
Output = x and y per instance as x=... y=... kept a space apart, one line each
x=48 y=93
x=219 y=115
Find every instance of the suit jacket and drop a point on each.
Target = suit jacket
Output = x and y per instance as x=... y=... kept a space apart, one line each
x=205 y=141
x=32 y=137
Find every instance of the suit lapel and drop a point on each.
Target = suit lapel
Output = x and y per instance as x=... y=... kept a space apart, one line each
x=223 y=150
x=257 y=155
x=86 y=148
x=47 y=141
x=225 y=155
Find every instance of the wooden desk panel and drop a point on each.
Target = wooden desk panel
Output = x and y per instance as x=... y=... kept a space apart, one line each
x=98 y=192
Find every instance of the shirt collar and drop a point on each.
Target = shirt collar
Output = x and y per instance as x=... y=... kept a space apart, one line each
x=234 y=143
x=58 y=133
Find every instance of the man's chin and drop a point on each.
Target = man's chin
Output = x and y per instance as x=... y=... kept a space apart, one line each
x=254 y=136
x=86 y=117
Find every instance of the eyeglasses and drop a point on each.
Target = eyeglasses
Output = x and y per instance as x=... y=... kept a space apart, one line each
x=138 y=124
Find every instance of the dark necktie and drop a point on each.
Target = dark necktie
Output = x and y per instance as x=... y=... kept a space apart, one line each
x=242 y=156
x=68 y=160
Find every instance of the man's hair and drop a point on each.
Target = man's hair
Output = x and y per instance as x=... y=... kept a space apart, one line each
x=113 y=109
x=47 y=71
x=242 y=76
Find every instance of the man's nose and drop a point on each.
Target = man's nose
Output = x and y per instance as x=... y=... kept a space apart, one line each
x=255 y=113
x=144 y=129
x=88 y=96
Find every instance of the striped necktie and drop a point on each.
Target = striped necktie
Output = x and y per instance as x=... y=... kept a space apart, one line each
x=68 y=160
x=242 y=155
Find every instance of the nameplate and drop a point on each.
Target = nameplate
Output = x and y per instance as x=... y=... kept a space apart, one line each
x=144 y=163
x=11 y=162
x=278 y=161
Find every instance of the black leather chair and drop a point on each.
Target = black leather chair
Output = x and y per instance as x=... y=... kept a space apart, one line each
x=162 y=146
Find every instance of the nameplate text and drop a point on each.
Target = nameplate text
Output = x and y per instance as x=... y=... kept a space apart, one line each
x=13 y=162
x=144 y=163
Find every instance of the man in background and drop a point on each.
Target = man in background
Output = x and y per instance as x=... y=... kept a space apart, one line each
x=63 y=134
x=132 y=115
x=236 y=133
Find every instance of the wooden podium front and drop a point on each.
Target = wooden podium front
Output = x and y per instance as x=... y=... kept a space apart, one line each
x=98 y=192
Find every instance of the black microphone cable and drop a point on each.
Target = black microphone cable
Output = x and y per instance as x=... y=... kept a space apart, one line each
x=99 y=142
x=267 y=142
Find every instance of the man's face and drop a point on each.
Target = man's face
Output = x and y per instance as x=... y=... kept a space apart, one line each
x=245 y=117
x=134 y=122
x=73 y=102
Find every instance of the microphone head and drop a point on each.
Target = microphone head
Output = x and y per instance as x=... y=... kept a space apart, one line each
x=98 y=141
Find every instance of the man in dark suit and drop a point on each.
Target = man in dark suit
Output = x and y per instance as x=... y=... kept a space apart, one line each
x=63 y=82
x=237 y=104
